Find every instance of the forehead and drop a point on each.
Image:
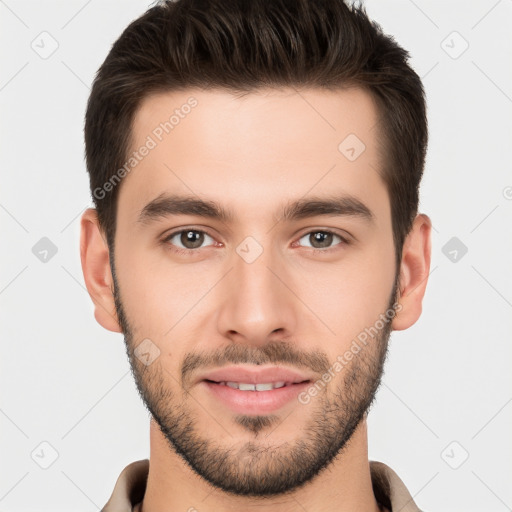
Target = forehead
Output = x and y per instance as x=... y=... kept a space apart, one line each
x=220 y=118
x=265 y=144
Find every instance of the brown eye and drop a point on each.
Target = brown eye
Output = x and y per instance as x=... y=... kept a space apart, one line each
x=188 y=239
x=192 y=239
x=322 y=239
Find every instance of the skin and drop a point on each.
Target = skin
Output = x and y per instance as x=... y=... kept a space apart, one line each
x=252 y=155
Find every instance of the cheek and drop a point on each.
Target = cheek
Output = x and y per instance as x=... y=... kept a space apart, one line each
x=348 y=306
x=350 y=295
x=158 y=293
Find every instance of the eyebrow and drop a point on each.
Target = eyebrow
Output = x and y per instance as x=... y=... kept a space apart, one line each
x=166 y=205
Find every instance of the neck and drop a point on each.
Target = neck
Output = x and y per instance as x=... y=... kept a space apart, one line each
x=345 y=485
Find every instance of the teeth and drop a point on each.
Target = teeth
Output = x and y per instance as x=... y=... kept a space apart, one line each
x=246 y=387
x=264 y=387
x=242 y=386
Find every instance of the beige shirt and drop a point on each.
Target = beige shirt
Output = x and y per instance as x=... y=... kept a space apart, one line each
x=389 y=490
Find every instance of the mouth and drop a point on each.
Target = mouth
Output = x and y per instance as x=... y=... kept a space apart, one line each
x=253 y=390
x=255 y=378
x=261 y=386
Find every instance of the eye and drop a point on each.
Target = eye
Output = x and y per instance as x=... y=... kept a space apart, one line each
x=322 y=240
x=186 y=240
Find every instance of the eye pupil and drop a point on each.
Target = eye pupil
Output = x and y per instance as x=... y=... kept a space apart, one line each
x=192 y=239
x=322 y=237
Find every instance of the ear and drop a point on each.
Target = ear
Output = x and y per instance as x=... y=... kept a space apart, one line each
x=94 y=255
x=414 y=272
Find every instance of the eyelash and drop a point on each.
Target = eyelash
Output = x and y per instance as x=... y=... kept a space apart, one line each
x=192 y=252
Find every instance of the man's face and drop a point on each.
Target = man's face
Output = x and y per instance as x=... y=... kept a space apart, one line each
x=258 y=290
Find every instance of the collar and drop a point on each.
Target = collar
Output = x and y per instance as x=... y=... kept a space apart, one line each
x=389 y=489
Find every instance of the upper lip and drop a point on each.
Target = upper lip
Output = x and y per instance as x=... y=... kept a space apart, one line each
x=254 y=375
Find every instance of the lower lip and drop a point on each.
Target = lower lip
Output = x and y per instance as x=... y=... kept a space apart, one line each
x=254 y=402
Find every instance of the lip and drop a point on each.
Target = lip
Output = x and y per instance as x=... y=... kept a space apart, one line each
x=254 y=402
x=255 y=375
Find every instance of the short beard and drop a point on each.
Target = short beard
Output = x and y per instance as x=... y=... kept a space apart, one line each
x=255 y=469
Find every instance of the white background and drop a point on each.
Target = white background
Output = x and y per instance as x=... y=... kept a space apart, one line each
x=65 y=380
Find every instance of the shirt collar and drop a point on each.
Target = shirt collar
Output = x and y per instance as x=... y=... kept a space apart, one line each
x=389 y=489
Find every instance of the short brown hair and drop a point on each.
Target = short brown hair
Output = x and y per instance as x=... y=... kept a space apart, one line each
x=242 y=46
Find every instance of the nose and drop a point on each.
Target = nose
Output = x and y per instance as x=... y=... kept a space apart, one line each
x=257 y=303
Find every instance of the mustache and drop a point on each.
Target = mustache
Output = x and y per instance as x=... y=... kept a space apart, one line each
x=275 y=352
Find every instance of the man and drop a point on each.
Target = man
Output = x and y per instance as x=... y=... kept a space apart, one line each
x=255 y=170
